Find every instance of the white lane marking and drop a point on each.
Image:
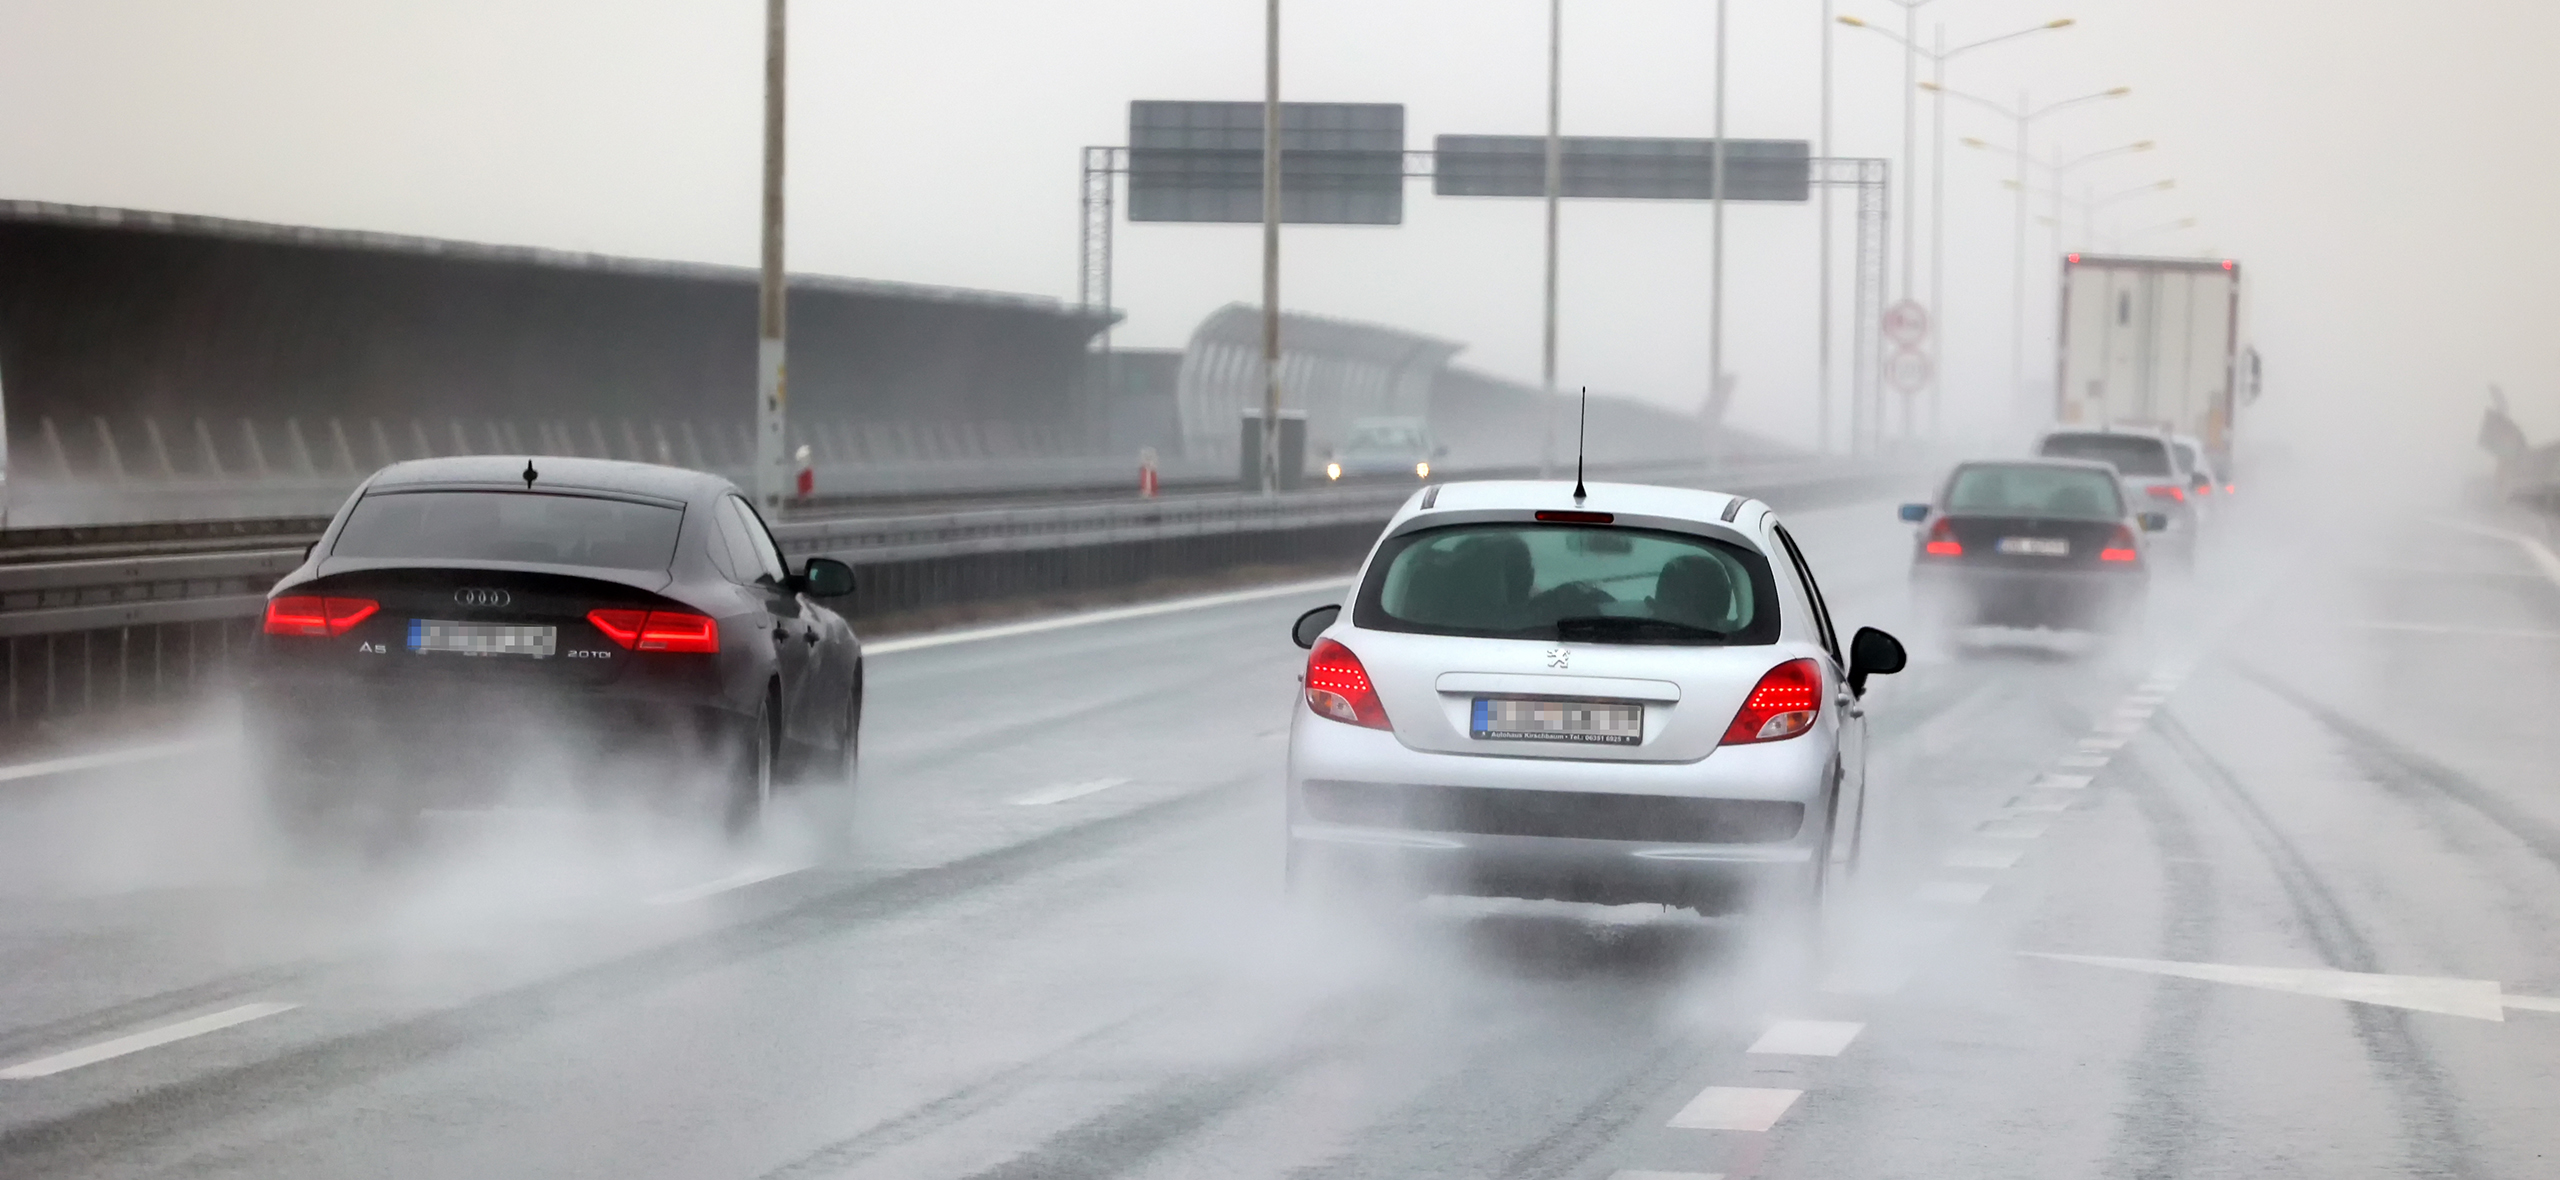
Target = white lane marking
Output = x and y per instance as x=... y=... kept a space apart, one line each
x=737 y=880
x=2535 y=551
x=2063 y=782
x=1115 y=614
x=2014 y=829
x=2038 y=806
x=2479 y=999
x=2458 y=629
x=1807 y=1038
x=1649 y=1174
x=105 y=758
x=2102 y=743
x=2082 y=761
x=150 y=1038
x=2135 y=713
x=1065 y=791
x=1981 y=858
x=1952 y=892
x=1735 y=1108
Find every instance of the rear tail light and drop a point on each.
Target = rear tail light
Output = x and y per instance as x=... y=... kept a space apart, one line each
x=1338 y=687
x=312 y=614
x=2204 y=489
x=658 y=630
x=2119 y=547
x=2166 y=491
x=1942 y=540
x=2229 y=488
x=1783 y=705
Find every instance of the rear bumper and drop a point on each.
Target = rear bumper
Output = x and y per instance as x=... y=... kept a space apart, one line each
x=460 y=746
x=1713 y=835
x=2008 y=594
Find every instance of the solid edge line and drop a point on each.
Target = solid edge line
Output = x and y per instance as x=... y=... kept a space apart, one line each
x=53 y=766
x=2535 y=551
x=150 y=1038
x=718 y=885
x=1115 y=614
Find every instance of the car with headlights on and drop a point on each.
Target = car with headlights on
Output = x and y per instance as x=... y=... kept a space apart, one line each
x=1610 y=694
x=480 y=631
x=2050 y=543
x=1384 y=448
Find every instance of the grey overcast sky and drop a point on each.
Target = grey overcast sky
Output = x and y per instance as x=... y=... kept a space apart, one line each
x=2384 y=171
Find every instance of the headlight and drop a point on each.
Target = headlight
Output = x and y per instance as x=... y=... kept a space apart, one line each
x=1422 y=471
x=1333 y=471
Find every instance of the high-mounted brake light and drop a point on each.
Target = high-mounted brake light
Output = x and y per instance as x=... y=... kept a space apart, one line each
x=1338 y=687
x=1783 y=705
x=313 y=614
x=1554 y=516
x=2119 y=547
x=1942 y=540
x=657 y=630
x=2166 y=491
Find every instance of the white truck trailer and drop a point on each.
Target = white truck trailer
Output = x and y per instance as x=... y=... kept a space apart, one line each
x=2153 y=343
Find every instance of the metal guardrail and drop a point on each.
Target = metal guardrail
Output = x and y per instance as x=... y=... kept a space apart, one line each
x=52 y=597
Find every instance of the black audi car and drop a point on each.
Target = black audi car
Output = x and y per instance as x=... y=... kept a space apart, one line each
x=2032 y=543
x=472 y=631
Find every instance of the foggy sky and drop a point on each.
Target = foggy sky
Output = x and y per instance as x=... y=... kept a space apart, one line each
x=2382 y=171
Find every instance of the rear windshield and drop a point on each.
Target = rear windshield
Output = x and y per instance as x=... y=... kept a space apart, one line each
x=1571 y=583
x=2131 y=454
x=2068 y=492
x=511 y=526
x=2187 y=458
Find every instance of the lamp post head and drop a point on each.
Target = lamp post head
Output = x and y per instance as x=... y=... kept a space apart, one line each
x=2120 y=92
x=2064 y=23
x=2144 y=145
x=1971 y=142
x=1853 y=22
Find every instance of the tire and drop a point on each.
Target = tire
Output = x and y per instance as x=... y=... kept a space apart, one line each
x=748 y=787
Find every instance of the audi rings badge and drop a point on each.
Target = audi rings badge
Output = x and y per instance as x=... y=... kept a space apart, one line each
x=481 y=596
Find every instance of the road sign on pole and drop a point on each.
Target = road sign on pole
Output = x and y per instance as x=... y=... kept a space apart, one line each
x=1906 y=323
x=1908 y=370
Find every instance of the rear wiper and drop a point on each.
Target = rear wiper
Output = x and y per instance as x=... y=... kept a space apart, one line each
x=1627 y=629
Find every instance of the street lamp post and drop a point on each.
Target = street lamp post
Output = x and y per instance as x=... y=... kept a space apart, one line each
x=1555 y=191
x=1271 y=247
x=1715 y=313
x=1937 y=55
x=2024 y=115
x=771 y=392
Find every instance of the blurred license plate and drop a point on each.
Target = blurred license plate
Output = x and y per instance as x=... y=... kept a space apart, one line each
x=484 y=639
x=2036 y=546
x=1511 y=719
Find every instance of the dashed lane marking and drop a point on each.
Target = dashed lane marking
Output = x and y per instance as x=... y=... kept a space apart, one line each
x=1735 y=1108
x=121 y=757
x=150 y=1038
x=2063 y=782
x=1645 y=1174
x=2014 y=829
x=1065 y=791
x=737 y=880
x=1807 y=1038
x=1982 y=858
x=2037 y=806
x=2082 y=761
x=2458 y=629
x=1114 y=615
x=2101 y=743
x=1952 y=892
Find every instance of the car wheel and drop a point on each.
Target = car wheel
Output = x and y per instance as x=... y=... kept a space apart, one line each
x=749 y=789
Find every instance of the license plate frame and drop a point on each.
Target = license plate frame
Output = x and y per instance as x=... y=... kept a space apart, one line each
x=1555 y=719
x=2035 y=546
x=454 y=637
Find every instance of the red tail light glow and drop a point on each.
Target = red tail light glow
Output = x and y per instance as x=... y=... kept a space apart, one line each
x=1783 y=705
x=2204 y=489
x=2120 y=546
x=657 y=630
x=2229 y=488
x=1942 y=540
x=1338 y=687
x=2166 y=491
x=312 y=614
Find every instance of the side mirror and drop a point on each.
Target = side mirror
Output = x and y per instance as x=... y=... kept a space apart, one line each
x=1915 y=513
x=1312 y=624
x=1873 y=653
x=2153 y=522
x=825 y=577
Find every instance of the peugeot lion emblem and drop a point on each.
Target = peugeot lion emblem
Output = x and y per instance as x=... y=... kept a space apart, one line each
x=480 y=596
x=1559 y=657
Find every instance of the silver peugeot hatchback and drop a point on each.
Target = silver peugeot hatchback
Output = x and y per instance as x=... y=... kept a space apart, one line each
x=1634 y=695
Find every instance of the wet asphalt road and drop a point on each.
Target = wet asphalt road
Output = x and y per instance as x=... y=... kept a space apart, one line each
x=1056 y=948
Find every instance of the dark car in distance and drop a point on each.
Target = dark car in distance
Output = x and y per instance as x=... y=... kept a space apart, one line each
x=2032 y=543
x=475 y=631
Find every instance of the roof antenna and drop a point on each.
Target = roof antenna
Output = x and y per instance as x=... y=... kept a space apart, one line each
x=530 y=475
x=1581 y=431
